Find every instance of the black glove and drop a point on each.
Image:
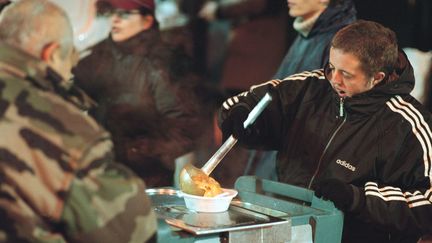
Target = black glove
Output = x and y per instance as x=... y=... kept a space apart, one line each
x=233 y=113
x=341 y=193
x=233 y=124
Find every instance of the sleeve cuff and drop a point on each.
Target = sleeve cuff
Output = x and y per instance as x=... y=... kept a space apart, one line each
x=359 y=199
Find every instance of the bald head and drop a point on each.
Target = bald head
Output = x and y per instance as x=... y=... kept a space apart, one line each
x=32 y=25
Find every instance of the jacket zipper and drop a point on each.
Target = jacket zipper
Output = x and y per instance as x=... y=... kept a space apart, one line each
x=341 y=107
x=341 y=114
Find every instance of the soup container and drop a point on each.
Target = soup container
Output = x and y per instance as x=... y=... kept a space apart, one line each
x=216 y=204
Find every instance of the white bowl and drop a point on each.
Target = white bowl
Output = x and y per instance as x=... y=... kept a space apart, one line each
x=219 y=203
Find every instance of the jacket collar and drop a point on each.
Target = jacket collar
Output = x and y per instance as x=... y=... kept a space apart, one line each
x=371 y=101
x=20 y=64
x=17 y=63
x=303 y=26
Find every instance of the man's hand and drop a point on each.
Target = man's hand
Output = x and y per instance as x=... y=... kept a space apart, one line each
x=234 y=112
x=341 y=193
x=233 y=124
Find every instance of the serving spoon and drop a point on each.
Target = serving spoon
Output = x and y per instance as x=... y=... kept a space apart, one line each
x=189 y=172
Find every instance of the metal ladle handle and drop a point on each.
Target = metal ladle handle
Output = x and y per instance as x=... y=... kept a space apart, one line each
x=231 y=141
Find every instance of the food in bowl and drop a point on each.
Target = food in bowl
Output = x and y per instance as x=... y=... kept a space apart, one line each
x=219 y=203
x=195 y=182
x=209 y=185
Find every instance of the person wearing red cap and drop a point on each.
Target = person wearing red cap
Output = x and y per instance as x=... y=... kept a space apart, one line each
x=128 y=17
x=132 y=77
x=131 y=4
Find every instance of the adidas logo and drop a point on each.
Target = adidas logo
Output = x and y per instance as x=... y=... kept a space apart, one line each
x=346 y=165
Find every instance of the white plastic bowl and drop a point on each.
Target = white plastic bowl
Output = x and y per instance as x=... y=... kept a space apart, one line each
x=219 y=203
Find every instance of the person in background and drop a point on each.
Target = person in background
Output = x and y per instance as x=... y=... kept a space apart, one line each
x=136 y=79
x=316 y=22
x=352 y=132
x=58 y=180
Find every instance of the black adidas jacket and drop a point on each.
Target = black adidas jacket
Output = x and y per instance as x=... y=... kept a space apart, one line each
x=380 y=141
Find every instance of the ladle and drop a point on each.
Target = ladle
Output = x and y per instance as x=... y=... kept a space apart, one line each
x=189 y=171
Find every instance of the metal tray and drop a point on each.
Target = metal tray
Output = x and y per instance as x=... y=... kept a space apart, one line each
x=169 y=205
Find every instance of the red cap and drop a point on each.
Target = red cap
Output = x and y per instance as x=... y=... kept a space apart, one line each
x=131 y=4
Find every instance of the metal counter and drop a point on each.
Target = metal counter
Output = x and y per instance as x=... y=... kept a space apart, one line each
x=263 y=211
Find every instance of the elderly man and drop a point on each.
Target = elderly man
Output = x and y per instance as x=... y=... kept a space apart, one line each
x=352 y=132
x=57 y=178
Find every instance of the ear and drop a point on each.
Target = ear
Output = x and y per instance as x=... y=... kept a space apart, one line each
x=378 y=77
x=48 y=51
x=148 y=21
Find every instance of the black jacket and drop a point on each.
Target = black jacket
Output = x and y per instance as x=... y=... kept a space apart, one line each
x=151 y=115
x=311 y=52
x=380 y=141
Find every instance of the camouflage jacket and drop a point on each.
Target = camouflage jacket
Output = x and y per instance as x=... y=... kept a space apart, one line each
x=58 y=182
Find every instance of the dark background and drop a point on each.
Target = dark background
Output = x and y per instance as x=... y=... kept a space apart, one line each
x=410 y=19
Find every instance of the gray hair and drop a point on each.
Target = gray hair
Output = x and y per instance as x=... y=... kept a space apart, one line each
x=33 y=24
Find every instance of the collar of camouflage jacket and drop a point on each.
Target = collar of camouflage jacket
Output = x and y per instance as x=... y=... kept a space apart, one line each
x=17 y=63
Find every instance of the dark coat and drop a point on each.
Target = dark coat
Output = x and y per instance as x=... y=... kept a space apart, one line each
x=312 y=51
x=142 y=103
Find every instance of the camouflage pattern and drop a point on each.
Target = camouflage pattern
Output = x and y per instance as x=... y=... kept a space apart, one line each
x=58 y=181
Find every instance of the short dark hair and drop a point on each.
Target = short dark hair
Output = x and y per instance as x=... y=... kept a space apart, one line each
x=373 y=44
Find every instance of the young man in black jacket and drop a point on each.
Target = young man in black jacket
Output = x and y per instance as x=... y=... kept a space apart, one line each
x=353 y=133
